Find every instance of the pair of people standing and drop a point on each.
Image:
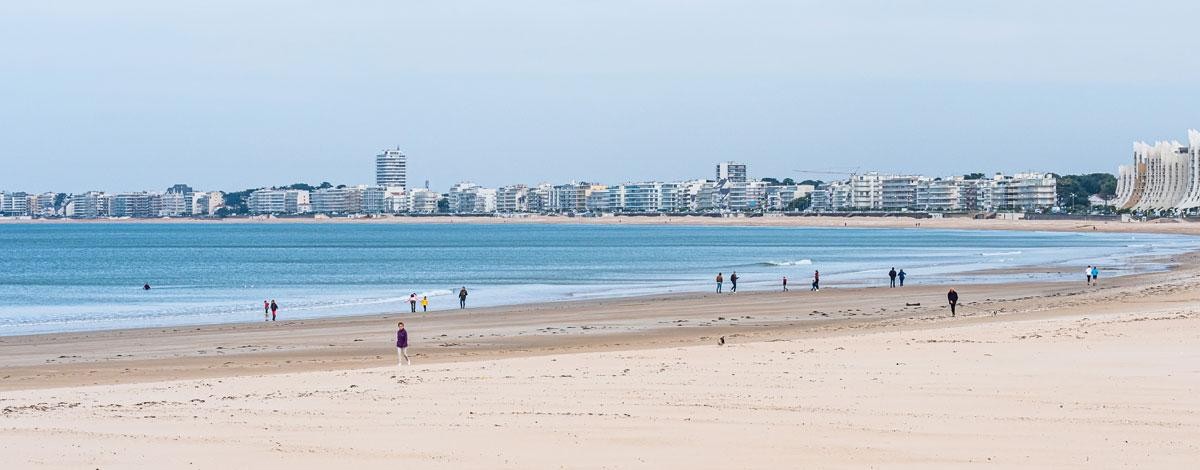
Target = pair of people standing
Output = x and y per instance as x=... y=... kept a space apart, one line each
x=269 y=310
x=893 y=275
x=733 y=279
x=1093 y=275
x=412 y=302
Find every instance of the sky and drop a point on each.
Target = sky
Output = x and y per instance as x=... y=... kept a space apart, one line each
x=226 y=95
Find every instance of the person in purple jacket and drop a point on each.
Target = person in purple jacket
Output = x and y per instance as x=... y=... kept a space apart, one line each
x=402 y=344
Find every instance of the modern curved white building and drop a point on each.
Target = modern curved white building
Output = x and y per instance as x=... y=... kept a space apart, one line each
x=1163 y=176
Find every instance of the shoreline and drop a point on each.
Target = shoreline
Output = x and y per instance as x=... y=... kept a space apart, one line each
x=148 y=354
x=1161 y=226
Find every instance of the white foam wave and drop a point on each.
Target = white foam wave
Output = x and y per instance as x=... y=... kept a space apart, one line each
x=802 y=262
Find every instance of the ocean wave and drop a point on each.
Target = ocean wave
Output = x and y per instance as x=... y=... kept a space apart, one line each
x=436 y=293
x=1000 y=253
x=802 y=262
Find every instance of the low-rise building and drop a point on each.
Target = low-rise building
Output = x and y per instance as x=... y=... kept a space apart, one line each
x=279 y=201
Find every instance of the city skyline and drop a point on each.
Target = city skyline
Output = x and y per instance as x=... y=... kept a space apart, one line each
x=540 y=91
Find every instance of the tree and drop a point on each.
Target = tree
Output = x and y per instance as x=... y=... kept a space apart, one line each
x=777 y=182
x=1074 y=190
x=443 y=205
x=800 y=203
x=236 y=203
x=973 y=176
x=814 y=183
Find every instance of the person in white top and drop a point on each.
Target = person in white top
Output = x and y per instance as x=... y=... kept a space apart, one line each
x=412 y=302
x=1088 y=272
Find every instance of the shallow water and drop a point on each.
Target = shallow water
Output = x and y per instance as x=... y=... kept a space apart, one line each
x=68 y=277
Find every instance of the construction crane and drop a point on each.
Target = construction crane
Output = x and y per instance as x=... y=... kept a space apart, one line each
x=853 y=171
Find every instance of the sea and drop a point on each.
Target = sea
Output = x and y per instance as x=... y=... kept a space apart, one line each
x=79 y=277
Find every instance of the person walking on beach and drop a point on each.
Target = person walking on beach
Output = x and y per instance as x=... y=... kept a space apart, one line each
x=720 y=282
x=402 y=344
x=900 y=275
x=785 y=283
x=892 y=275
x=424 y=303
x=462 y=297
x=412 y=302
x=1095 y=275
x=816 y=286
x=274 y=308
x=733 y=282
x=952 y=296
x=266 y=310
x=1088 y=272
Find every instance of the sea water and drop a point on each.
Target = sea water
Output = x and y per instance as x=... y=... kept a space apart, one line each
x=72 y=277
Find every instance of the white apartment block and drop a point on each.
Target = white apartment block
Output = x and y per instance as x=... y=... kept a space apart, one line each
x=513 y=198
x=1021 y=191
x=1163 y=176
x=89 y=205
x=391 y=169
x=900 y=192
x=396 y=200
x=15 y=204
x=279 y=201
x=423 y=201
x=732 y=171
x=207 y=203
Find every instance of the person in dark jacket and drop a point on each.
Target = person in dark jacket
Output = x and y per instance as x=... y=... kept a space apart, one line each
x=274 y=308
x=900 y=275
x=462 y=297
x=952 y=296
x=733 y=282
x=892 y=274
x=816 y=285
x=402 y=344
x=720 y=281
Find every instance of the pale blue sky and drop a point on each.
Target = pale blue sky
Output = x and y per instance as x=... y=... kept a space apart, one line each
x=126 y=95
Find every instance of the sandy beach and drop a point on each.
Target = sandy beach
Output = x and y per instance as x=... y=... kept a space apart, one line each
x=1049 y=375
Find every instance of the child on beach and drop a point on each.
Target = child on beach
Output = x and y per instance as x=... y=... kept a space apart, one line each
x=266 y=310
x=402 y=344
x=425 y=303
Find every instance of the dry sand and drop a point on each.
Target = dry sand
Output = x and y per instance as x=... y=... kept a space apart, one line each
x=1029 y=375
